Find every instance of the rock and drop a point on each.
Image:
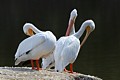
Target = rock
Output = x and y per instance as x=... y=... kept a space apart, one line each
x=26 y=73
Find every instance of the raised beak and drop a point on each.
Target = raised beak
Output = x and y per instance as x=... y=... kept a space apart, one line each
x=69 y=27
x=72 y=18
x=86 y=36
x=30 y=32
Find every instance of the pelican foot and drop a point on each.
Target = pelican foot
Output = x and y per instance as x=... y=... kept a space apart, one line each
x=69 y=71
x=72 y=72
x=66 y=70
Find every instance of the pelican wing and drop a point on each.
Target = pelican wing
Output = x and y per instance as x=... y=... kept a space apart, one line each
x=57 y=52
x=30 y=43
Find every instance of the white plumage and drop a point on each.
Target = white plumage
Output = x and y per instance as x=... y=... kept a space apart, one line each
x=67 y=48
x=29 y=28
x=48 y=62
x=29 y=44
x=37 y=46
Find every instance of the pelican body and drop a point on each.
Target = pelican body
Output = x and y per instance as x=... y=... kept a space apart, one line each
x=67 y=47
x=36 y=46
x=66 y=52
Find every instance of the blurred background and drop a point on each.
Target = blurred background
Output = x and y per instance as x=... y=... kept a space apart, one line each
x=100 y=54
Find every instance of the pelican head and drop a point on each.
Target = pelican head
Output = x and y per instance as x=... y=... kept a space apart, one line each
x=27 y=28
x=71 y=29
x=90 y=26
x=73 y=14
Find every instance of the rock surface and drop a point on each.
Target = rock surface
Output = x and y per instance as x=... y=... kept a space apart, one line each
x=25 y=73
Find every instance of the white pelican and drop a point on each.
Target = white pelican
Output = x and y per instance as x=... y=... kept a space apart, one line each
x=28 y=29
x=49 y=61
x=36 y=46
x=67 y=47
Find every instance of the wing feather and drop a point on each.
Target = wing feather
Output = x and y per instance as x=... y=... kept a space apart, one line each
x=30 y=43
x=70 y=52
x=57 y=52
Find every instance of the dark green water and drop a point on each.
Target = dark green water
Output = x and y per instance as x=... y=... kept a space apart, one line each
x=100 y=54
